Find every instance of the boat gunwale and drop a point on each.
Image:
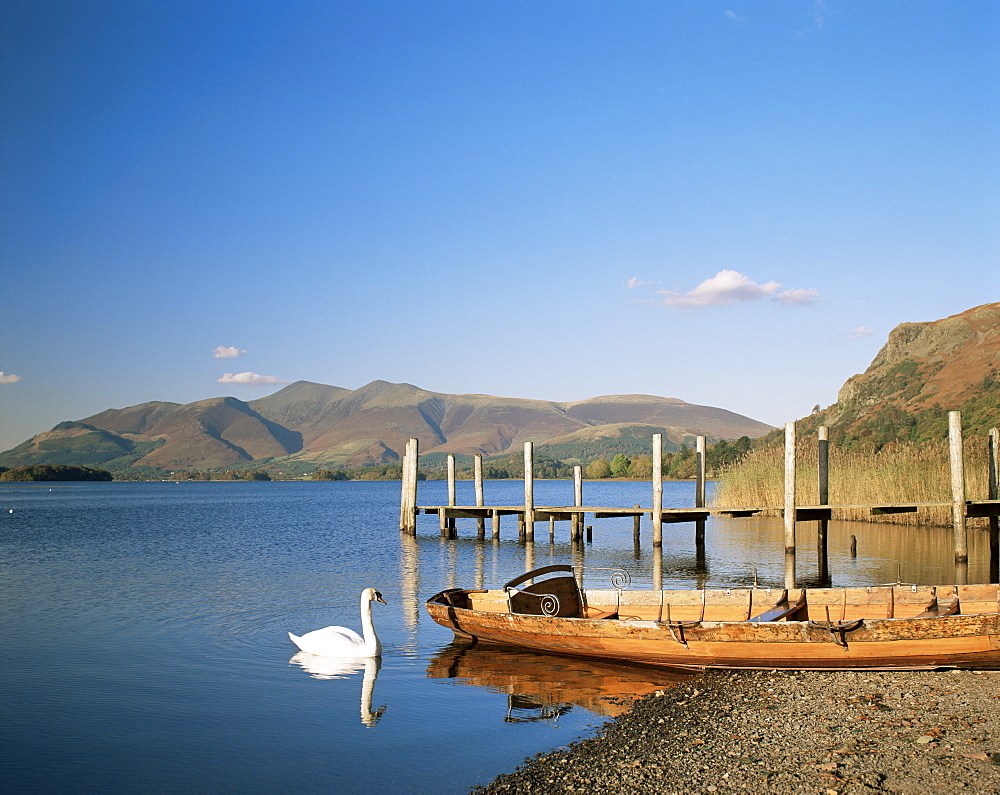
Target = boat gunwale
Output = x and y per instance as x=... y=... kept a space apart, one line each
x=604 y=620
x=906 y=643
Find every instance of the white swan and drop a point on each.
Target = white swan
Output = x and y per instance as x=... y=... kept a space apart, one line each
x=344 y=642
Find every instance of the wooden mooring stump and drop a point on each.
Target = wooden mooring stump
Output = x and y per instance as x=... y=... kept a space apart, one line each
x=792 y=512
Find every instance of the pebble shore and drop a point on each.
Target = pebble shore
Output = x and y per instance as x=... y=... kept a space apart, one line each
x=832 y=733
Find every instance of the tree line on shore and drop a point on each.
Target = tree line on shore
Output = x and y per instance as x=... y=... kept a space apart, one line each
x=227 y=474
x=53 y=472
x=677 y=465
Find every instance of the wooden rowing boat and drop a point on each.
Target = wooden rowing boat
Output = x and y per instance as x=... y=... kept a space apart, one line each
x=878 y=627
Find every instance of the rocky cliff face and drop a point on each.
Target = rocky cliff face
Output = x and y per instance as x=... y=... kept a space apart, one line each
x=941 y=362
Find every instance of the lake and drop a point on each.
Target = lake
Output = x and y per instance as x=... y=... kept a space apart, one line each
x=145 y=630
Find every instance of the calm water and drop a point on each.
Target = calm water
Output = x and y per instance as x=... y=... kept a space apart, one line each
x=145 y=647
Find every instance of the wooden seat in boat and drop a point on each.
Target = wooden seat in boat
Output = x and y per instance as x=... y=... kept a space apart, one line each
x=597 y=613
x=978 y=599
x=556 y=595
x=850 y=604
x=785 y=608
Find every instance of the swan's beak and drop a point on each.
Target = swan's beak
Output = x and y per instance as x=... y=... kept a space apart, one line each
x=378 y=598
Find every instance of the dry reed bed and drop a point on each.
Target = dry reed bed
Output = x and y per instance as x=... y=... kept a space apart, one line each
x=899 y=472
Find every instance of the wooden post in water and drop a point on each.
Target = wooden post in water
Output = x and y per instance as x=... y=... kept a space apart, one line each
x=411 y=458
x=992 y=494
x=956 y=459
x=495 y=517
x=657 y=490
x=529 y=492
x=789 y=504
x=477 y=476
x=404 y=493
x=822 y=533
x=699 y=499
x=447 y=524
x=576 y=527
x=451 y=480
x=699 y=469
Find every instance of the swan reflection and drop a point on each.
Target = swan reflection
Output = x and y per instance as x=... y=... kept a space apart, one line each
x=320 y=667
x=548 y=684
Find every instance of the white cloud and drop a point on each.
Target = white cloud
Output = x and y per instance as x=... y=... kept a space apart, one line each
x=223 y=352
x=251 y=379
x=8 y=379
x=634 y=282
x=730 y=287
x=800 y=295
x=735 y=17
x=727 y=287
x=859 y=333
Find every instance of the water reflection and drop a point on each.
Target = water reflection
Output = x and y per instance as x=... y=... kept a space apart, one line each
x=544 y=686
x=344 y=668
x=860 y=553
x=409 y=583
x=521 y=709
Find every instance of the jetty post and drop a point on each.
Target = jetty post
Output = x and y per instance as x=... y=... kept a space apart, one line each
x=789 y=504
x=451 y=480
x=447 y=524
x=994 y=494
x=408 y=519
x=576 y=527
x=956 y=460
x=404 y=493
x=529 y=492
x=657 y=490
x=414 y=477
x=822 y=532
x=699 y=500
x=477 y=477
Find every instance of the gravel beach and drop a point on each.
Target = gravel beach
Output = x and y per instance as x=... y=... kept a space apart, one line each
x=789 y=732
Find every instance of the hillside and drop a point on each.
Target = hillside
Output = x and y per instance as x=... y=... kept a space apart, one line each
x=306 y=425
x=922 y=372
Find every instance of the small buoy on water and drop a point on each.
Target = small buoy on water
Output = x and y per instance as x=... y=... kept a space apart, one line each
x=10 y=510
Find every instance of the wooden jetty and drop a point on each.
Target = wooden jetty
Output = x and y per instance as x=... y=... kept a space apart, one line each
x=529 y=513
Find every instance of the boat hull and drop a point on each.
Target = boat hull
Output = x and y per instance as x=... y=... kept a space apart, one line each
x=954 y=641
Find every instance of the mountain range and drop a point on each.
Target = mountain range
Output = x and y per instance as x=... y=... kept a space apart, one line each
x=924 y=370
x=306 y=425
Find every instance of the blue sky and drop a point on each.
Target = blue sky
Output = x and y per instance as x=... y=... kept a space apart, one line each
x=728 y=202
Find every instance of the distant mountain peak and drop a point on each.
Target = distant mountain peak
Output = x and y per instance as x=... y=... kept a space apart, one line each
x=941 y=361
x=310 y=424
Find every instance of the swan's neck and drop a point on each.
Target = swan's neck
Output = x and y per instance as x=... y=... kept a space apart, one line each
x=372 y=644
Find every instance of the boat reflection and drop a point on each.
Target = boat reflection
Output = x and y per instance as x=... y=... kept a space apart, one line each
x=319 y=667
x=544 y=686
x=521 y=709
